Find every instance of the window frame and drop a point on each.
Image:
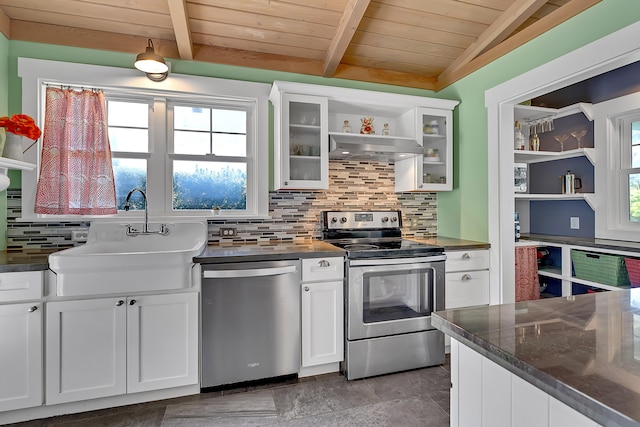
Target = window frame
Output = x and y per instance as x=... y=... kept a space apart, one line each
x=612 y=120
x=37 y=73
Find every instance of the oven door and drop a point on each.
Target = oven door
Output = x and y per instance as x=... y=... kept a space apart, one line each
x=393 y=296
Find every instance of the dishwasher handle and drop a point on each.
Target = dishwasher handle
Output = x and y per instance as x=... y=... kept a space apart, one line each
x=254 y=272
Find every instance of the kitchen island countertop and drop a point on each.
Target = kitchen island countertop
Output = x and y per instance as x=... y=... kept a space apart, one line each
x=584 y=350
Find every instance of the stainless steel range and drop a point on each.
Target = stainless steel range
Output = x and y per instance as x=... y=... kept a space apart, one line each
x=393 y=286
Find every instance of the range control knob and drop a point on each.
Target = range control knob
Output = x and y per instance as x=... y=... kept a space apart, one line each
x=394 y=219
x=343 y=219
x=385 y=219
x=334 y=220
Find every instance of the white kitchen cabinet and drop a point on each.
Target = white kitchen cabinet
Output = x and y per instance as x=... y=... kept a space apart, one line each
x=111 y=346
x=433 y=169
x=20 y=355
x=467 y=278
x=485 y=394
x=322 y=311
x=301 y=153
x=162 y=341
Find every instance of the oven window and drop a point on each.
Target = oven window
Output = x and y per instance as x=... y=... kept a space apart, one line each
x=397 y=295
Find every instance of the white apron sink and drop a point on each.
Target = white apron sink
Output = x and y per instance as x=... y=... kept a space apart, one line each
x=113 y=262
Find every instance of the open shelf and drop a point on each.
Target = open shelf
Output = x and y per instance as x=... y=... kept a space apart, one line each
x=528 y=156
x=598 y=285
x=587 y=197
x=529 y=113
x=15 y=164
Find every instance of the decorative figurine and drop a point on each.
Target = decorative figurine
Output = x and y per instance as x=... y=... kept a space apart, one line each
x=346 y=127
x=367 y=126
x=386 y=130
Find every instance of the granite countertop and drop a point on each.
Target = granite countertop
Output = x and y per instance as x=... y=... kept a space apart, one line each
x=580 y=349
x=453 y=244
x=25 y=260
x=616 y=245
x=215 y=254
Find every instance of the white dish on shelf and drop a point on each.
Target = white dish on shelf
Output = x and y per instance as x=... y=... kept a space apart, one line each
x=432 y=159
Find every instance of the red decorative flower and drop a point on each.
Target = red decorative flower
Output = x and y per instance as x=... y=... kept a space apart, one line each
x=22 y=125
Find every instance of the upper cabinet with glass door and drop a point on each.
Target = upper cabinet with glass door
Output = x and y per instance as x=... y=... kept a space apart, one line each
x=433 y=169
x=301 y=149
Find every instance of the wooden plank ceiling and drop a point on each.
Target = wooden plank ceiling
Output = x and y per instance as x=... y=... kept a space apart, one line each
x=426 y=44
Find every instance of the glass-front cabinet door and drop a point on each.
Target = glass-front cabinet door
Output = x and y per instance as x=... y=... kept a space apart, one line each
x=303 y=152
x=435 y=168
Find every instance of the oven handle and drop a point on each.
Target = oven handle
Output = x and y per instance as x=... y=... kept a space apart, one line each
x=395 y=261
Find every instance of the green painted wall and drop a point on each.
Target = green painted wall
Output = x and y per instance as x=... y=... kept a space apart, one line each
x=463 y=212
x=4 y=110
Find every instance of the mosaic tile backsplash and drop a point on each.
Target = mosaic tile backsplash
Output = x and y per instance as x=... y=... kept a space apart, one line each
x=295 y=215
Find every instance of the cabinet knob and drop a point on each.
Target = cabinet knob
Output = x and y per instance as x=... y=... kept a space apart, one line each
x=466 y=277
x=286 y=183
x=132 y=302
x=33 y=308
x=323 y=263
x=119 y=303
x=466 y=256
x=306 y=289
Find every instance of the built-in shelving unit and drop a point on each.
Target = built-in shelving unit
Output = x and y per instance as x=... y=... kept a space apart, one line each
x=587 y=197
x=528 y=156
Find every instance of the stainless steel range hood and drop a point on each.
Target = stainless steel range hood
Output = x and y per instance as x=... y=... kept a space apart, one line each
x=347 y=146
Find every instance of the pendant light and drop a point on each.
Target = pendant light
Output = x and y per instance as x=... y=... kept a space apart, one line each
x=152 y=64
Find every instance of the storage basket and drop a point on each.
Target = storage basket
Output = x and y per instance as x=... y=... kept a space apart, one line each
x=600 y=268
x=633 y=269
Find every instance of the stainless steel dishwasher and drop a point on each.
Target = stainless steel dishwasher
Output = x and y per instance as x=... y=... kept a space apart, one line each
x=250 y=321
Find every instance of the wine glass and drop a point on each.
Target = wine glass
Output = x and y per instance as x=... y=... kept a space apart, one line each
x=579 y=134
x=561 y=139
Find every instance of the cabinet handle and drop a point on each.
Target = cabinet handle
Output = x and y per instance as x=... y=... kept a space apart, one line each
x=466 y=256
x=33 y=308
x=323 y=263
x=306 y=289
x=286 y=183
x=119 y=303
x=466 y=277
x=132 y=302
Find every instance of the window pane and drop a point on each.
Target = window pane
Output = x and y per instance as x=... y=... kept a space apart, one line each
x=205 y=185
x=231 y=121
x=229 y=145
x=127 y=114
x=192 y=118
x=127 y=139
x=635 y=144
x=185 y=142
x=634 y=197
x=129 y=174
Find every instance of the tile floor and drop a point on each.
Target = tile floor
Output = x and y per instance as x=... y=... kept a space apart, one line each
x=412 y=398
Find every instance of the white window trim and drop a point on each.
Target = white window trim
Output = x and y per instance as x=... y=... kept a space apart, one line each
x=612 y=197
x=36 y=72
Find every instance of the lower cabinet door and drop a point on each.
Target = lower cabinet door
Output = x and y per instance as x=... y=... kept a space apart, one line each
x=466 y=289
x=162 y=341
x=322 y=323
x=86 y=349
x=20 y=356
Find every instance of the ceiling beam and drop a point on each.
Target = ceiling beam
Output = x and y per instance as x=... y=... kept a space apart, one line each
x=351 y=17
x=544 y=24
x=505 y=25
x=5 y=24
x=180 y=20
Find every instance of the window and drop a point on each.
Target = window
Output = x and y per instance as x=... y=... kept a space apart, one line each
x=617 y=133
x=192 y=143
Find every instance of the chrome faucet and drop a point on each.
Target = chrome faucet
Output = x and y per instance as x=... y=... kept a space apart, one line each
x=164 y=230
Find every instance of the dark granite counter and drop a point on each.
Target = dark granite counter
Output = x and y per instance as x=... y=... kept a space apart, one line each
x=616 y=245
x=216 y=254
x=25 y=260
x=454 y=244
x=584 y=350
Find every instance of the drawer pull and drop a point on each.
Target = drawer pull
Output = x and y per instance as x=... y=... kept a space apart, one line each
x=132 y=302
x=306 y=289
x=323 y=263
x=33 y=308
x=466 y=277
x=466 y=256
x=119 y=303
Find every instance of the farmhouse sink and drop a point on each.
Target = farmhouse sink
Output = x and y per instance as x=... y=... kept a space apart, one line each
x=115 y=262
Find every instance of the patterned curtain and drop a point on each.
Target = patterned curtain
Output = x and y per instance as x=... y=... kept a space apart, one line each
x=76 y=176
x=527 y=285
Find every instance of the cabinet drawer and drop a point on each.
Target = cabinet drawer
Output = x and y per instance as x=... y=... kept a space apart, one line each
x=316 y=269
x=24 y=285
x=466 y=289
x=467 y=260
